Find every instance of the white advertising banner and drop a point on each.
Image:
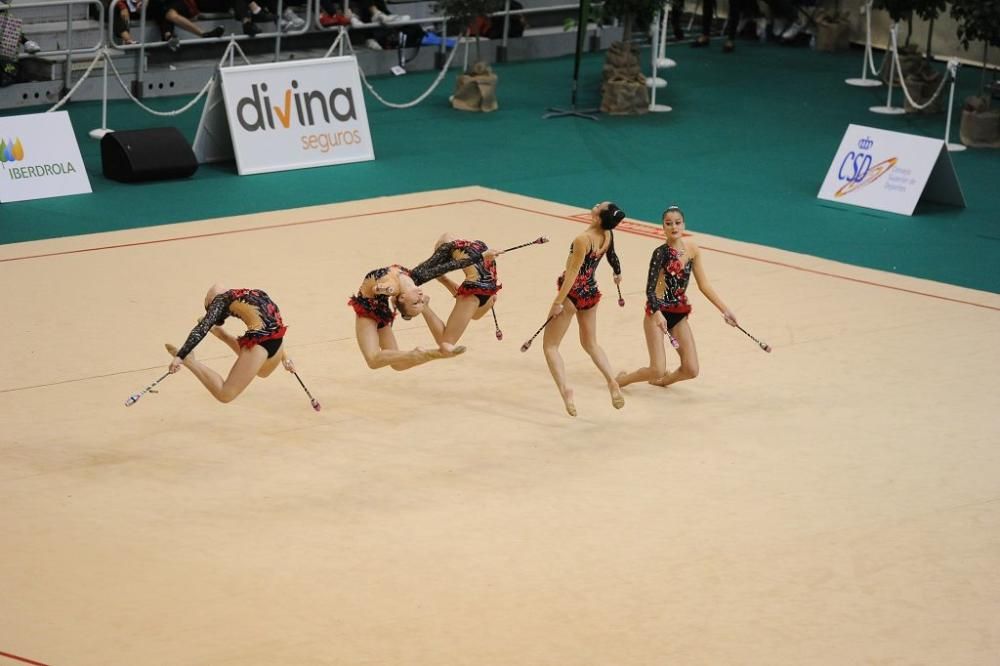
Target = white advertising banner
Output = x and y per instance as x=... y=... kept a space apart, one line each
x=39 y=158
x=890 y=171
x=296 y=114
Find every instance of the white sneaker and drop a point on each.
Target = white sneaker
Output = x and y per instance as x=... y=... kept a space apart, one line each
x=31 y=46
x=778 y=26
x=373 y=45
x=356 y=22
x=295 y=22
x=762 y=29
x=794 y=30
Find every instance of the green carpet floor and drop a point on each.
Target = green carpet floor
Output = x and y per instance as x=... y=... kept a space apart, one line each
x=744 y=153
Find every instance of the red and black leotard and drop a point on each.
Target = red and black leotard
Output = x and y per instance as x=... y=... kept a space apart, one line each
x=485 y=283
x=377 y=307
x=667 y=283
x=252 y=306
x=584 y=294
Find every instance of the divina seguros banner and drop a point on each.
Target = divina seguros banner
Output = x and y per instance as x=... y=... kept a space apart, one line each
x=296 y=114
x=39 y=158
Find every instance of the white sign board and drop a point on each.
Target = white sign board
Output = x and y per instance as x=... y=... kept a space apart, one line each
x=296 y=114
x=890 y=171
x=39 y=158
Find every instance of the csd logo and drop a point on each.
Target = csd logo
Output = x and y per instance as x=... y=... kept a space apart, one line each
x=857 y=170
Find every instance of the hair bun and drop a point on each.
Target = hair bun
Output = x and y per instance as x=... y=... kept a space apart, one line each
x=611 y=216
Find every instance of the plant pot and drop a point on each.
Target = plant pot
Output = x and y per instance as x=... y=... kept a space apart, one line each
x=476 y=90
x=833 y=32
x=910 y=61
x=623 y=89
x=980 y=126
x=922 y=85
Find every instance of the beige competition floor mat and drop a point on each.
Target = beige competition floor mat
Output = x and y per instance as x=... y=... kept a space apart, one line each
x=834 y=502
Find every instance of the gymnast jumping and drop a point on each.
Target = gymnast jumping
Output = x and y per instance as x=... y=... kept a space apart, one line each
x=474 y=297
x=667 y=306
x=579 y=295
x=258 y=351
x=385 y=291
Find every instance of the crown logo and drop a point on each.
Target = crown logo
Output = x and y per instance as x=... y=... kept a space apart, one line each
x=865 y=143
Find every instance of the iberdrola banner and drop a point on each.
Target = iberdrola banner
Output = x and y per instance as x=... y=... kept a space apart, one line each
x=39 y=158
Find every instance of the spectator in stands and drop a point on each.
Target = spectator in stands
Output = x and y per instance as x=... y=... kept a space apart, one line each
x=172 y=14
x=363 y=13
x=491 y=27
x=125 y=10
x=332 y=14
x=736 y=9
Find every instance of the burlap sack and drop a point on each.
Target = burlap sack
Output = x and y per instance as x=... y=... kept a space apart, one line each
x=980 y=126
x=621 y=96
x=833 y=32
x=476 y=90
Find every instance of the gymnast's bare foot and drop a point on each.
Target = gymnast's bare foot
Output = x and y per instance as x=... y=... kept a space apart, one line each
x=567 y=397
x=620 y=379
x=448 y=349
x=617 y=399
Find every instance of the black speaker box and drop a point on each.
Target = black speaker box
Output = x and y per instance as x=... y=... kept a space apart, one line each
x=157 y=153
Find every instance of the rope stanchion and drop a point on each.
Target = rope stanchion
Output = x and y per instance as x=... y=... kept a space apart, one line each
x=868 y=60
x=889 y=109
x=660 y=21
x=99 y=133
x=952 y=74
x=902 y=81
x=58 y=105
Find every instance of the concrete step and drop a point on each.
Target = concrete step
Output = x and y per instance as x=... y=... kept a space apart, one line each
x=31 y=13
x=51 y=35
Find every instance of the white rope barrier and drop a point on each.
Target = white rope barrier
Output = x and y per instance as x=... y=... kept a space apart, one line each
x=58 y=105
x=418 y=100
x=868 y=60
x=902 y=80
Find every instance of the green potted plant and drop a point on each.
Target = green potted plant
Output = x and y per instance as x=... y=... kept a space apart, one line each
x=979 y=20
x=475 y=89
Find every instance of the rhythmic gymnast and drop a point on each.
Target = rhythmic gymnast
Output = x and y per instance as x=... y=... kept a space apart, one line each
x=667 y=306
x=578 y=295
x=474 y=297
x=385 y=291
x=258 y=351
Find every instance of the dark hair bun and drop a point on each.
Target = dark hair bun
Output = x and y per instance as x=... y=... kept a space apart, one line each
x=611 y=216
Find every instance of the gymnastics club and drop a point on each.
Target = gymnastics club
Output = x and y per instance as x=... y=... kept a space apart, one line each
x=527 y=344
x=621 y=301
x=537 y=241
x=497 y=324
x=313 y=401
x=132 y=399
x=763 y=345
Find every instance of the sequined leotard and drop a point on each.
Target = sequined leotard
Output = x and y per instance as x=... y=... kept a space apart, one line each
x=584 y=294
x=667 y=282
x=252 y=306
x=377 y=307
x=484 y=284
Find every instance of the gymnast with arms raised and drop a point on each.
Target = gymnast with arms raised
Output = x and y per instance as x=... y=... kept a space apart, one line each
x=667 y=306
x=258 y=351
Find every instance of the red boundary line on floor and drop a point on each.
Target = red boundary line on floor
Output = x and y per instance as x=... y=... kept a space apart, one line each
x=22 y=659
x=638 y=228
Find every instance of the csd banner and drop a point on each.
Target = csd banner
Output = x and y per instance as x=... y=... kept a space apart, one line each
x=890 y=171
x=39 y=158
x=296 y=114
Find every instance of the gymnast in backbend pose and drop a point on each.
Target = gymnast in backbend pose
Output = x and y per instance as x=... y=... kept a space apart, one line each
x=667 y=307
x=258 y=351
x=578 y=295
x=384 y=291
x=474 y=297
